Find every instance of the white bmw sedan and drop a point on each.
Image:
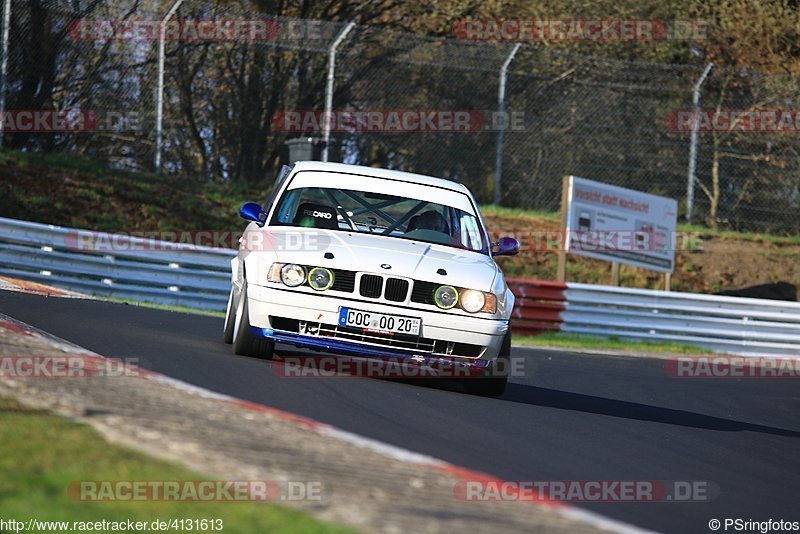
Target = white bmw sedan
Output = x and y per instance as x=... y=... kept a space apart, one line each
x=373 y=263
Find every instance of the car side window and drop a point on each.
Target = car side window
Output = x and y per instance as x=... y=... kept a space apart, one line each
x=287 y=211
x=470 y=233
x=288 y=208
x=284 y=173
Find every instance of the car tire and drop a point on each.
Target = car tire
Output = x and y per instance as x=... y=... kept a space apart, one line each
x=230 y=311
x=244 y=342
x=495 y=378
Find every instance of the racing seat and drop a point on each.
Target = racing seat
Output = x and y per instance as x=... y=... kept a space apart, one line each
x=311 y=215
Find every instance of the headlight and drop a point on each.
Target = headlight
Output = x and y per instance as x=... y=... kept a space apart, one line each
x=445 y=297
x=320 y=278
x=472 y=300
x=293 y=275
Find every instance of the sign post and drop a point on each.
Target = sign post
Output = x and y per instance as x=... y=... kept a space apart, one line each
x=561 y=273
x=619 y=225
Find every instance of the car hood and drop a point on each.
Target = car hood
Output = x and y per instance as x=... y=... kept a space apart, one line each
x=384 y=255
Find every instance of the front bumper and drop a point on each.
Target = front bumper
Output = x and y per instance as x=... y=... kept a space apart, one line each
x=265 y=302
x=436 y=365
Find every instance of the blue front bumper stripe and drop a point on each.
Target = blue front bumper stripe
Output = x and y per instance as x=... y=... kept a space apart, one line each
x=350 y=347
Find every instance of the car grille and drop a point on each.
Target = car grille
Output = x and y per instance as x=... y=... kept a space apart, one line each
x=398 y=341
x=422 y=292
x=396 y=289
x=371 y=286
x=344 y=280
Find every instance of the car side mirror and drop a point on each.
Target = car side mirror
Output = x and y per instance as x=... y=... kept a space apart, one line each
x=250 y=211
x=507 y=246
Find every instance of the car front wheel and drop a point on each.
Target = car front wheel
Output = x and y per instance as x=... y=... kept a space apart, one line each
x=244 y=342
x=495 y=377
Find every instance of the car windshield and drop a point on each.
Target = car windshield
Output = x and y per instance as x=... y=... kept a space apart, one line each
x=380 y=214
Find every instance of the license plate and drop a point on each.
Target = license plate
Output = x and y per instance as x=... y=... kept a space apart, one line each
x=379 y=322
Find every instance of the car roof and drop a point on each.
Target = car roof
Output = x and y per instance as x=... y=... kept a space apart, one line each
x=380 y=173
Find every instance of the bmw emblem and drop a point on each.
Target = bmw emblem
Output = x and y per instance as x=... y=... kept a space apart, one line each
x=385 y=266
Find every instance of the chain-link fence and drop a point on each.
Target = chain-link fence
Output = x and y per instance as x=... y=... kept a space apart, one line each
x=235 y=92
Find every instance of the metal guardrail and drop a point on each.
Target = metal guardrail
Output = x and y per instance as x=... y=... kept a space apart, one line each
x=538 y=307
x=116 y=266
x=199 y=277
x=723 y=324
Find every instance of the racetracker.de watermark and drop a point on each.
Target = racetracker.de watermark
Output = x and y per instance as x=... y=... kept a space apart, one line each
x=68 y=121
x=172 y=240
x=606 y=491
x=70 y=366
x=726 y=366
x=600 y=240
x=288 y=239
x=392 y=368
x=396 y=121
x=187 y=524
x=734 y=120
x=195 y=490
x=588 y=30
x=189 y=30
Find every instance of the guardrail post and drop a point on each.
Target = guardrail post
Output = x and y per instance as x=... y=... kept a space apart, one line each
x=326 y=124
x=501 y=110
x=4 y=62
x=615 y=273
x=693 y=143
x=561 y=270
x=160 y=85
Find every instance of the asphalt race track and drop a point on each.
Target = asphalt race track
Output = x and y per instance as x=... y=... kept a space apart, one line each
x=571 y=417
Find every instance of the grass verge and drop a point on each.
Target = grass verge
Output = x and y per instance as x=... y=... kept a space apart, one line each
x=489 y=210
x=584 y=341
x=43 y=453
x=180 y=309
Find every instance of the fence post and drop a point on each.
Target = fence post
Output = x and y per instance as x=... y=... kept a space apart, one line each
x=693 y=143
x=4 y=63
x=501 y=109
x=160 y=85
x=326 y=124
